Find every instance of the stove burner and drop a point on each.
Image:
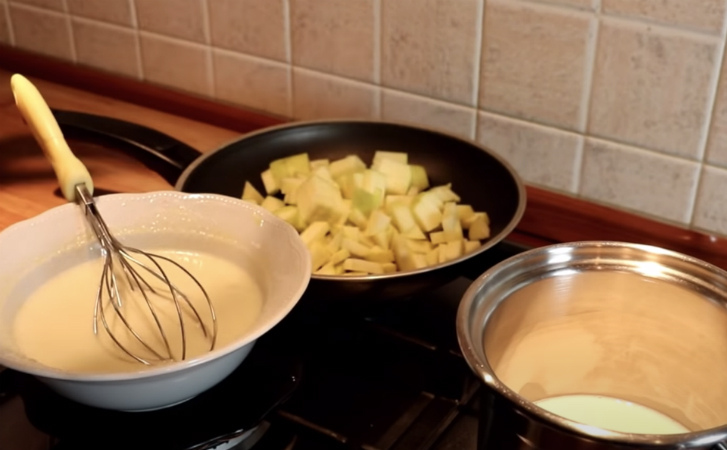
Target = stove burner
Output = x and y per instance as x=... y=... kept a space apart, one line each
x=392 y=379
x=226 y=414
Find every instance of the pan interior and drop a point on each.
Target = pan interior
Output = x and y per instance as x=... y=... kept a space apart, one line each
x=478 y=177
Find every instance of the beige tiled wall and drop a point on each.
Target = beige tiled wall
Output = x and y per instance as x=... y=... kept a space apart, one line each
x=621 y=102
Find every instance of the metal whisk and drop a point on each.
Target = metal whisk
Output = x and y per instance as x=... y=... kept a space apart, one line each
x=120 y=263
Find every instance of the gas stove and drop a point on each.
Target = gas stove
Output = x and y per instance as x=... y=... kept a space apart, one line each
x=387 y=379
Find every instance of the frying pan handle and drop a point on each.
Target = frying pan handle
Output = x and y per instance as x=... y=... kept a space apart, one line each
x=160 y=152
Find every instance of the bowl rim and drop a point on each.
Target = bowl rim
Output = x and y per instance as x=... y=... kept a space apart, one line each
x=291 y=236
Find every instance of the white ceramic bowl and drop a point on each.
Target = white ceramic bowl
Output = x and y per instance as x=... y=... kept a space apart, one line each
x=267 y=247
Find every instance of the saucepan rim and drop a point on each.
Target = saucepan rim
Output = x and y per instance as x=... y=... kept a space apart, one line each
x=471 y=329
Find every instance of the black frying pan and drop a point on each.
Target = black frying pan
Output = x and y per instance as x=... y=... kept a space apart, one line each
x=481 y=178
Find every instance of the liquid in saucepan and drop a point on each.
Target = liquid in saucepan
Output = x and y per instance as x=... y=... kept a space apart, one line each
x=611 y=414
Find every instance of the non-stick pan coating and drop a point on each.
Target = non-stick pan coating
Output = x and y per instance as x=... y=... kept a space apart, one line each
x=481 y=179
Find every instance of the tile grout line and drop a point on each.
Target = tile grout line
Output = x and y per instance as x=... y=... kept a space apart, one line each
x=289 y=57
x=206 y=31
x=100 y=23
x=378 y=30
x=626 y=18
x=9 y=21
x=477 y=69
x=705 y=138
x=71 y=34
x=584 y=120
x=137 y=41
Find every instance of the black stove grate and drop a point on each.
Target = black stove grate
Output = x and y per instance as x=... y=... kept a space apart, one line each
x=392 y=380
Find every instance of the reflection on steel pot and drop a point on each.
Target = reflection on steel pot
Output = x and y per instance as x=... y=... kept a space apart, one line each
x=604 y=321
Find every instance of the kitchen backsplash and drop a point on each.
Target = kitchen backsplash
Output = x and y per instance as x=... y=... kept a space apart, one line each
x=622 y=102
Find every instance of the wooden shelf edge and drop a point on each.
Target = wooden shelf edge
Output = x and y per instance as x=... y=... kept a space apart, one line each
x=549 y=218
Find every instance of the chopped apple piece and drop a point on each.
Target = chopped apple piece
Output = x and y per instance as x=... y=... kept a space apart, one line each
x=437 y=237
x=358 y=218
x=314 y=232
x=420 y=261
x=445 y=193
x=464 y=212
x=471 y=246
x=290 y=184
x=340 y=256
x=391 y=200
x=398 y=176
x=271 y=186
x=466 y=223
x=345 y=212
x=412 y=192
x=366 y=201
x=334 y=244
x=319 y=199
x=369 y=195
x=360 y=265
x=316 y=163
x=251 y=194
x=367 y=241
x=389 y=267
x=403 y=218
x=453 y=250
x=403 y=254
x=442 y=253
x=327 y=269
x=418 y=246
x=377 y=254
x=432 y=256
x=419 y=177
x=426 y=211
x=323 y=172
x=290 y=215
x=356 y=249
x=292 y=166
x=349 y=183
x=272 y=204
x=377 y=223
x=319 y=255
x=479 y=229
x=380 y=155
x=353 y=233
x=343 y=166
x=451 y=226
x=415 y=233
x=383 y=239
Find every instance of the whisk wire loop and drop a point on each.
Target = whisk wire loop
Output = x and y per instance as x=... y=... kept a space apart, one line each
x=109 y=292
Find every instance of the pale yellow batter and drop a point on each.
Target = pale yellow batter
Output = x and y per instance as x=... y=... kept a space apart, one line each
x=54 y=325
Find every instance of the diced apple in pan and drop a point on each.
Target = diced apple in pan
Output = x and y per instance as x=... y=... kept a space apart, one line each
x=272 y=204
x=358 y=220
x=398 y=176
x=250 y=194
x=319 y=199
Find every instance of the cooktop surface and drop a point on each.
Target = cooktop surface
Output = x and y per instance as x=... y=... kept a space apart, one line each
x=392 y=378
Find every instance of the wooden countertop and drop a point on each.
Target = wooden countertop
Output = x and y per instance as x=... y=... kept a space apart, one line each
x=27 y=181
